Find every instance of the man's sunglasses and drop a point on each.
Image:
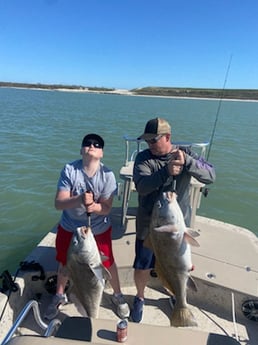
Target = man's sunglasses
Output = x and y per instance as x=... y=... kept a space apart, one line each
x=154 y=140
x=95 y=143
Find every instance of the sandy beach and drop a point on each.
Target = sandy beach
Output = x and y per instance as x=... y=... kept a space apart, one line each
x=123 y=92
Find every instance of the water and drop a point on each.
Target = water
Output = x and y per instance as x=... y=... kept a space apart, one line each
x=42 y=130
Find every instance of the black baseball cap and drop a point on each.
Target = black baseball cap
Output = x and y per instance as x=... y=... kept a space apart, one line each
x=93 y=136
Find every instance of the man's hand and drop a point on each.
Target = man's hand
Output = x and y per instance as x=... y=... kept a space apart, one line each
x=175 y=165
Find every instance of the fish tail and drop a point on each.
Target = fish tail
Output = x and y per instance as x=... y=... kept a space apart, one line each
x=182 y=317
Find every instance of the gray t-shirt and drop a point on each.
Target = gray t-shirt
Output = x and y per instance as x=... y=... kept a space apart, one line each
x=151 y=175
x=102 y=184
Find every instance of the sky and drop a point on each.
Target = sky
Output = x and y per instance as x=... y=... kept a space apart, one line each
x=130 y=43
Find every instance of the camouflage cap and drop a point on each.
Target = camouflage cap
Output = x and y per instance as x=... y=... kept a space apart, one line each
x=155 y=127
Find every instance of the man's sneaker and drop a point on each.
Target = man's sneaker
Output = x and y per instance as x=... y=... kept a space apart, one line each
x=136 y=314
x=53 y=308
x=172 y=301
x=123 y=310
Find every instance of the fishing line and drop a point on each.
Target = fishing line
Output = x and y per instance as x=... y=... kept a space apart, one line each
x=219 y=106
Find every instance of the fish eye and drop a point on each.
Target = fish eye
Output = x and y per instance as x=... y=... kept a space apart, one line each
x=75 y=241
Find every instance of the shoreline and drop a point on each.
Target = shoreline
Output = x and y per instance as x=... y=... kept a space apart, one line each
x=125 y=92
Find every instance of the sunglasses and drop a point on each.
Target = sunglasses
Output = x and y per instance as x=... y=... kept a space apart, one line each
x=95 y=143
x=154 y=140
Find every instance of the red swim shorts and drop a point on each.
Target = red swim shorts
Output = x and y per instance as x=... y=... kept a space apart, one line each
x=104 y=243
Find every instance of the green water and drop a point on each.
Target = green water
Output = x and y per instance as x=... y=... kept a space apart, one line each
x=42 y=130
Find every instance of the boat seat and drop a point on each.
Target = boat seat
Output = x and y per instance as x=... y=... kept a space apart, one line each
x=210 y=339
x=39 y=340
x=103 y=332
x=75 y=327
x=72 y=330
x=81 y=330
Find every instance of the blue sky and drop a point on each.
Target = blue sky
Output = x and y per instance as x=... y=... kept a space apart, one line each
x=130 y=43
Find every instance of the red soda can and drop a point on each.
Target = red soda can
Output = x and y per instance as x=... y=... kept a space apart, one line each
x=121 y=331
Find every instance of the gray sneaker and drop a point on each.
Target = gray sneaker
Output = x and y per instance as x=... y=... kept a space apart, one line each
x=123 y=310
x=53 y=308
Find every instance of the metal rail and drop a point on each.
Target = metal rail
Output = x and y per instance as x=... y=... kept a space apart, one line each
x=140 y=144
x=49 y=329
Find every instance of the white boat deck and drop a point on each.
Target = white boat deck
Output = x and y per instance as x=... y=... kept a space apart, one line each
x=226 y=275
x=234 y=279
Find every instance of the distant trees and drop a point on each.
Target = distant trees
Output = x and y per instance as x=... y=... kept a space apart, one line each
x=199 y=93
x=251 y=94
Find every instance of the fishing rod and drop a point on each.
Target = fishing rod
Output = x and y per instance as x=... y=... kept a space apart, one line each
x=219 y=106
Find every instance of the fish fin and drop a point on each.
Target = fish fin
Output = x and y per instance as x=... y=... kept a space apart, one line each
x=103 y=258
x=192 y=241
x=166 y=228
x=101 y=272
x=182 y=317
x=97 y=271
x=162 y=278
x=106 y=274
x=192 y=232
x=191 y=284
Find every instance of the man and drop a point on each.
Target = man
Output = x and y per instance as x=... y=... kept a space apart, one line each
x=86 y=186
x=154 y=171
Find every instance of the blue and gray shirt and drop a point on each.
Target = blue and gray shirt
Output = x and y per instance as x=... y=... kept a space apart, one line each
x=102 y=184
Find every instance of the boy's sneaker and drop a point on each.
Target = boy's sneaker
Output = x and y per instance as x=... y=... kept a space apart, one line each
x=123 y=310
x=53 y=308
x=136 y=314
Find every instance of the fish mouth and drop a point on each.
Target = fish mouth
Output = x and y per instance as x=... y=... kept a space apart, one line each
x=169 y=196
x=84 y=231
x=166 y=198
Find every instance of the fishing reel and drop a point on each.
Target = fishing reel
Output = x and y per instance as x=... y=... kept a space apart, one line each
x=8 y=282
x=51 y=284
x=205 y=191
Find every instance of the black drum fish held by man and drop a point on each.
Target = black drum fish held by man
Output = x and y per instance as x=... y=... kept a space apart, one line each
x=170 y=241
x=162 y=167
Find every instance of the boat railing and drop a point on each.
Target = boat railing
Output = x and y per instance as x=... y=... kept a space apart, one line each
x=48 y=328
x=140 y=144
x=132 y=147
